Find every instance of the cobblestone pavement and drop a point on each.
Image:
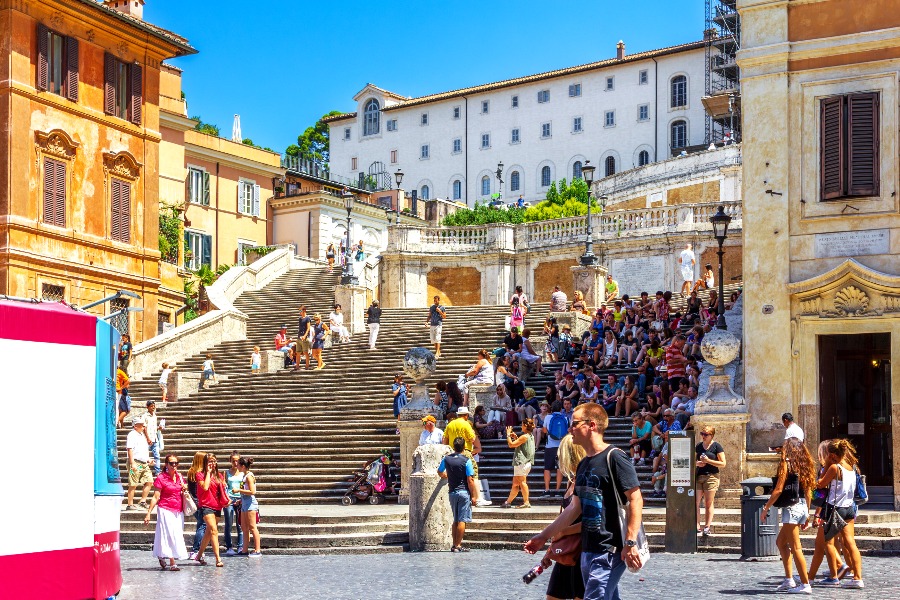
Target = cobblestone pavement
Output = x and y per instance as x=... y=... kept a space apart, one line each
x=477 y=575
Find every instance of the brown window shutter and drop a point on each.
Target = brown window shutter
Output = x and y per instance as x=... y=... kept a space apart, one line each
x=43 y=66
x=863 y=164
x=831 y=151
x=49 y=187
x=109 y=84
x=137 y=92
x=125 y=212
x=72 y=69
x=59 y=208
x=115 y=221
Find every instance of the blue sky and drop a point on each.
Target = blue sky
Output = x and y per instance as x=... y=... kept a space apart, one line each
x=283 y=64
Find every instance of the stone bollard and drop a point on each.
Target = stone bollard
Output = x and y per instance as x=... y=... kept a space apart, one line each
x=271 y=361
x=430 y=516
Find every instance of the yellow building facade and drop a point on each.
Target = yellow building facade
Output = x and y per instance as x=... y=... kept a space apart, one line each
x=79 y=131
x=821 y=260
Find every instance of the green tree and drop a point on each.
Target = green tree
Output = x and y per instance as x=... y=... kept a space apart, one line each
x=314 y=142
x=205 y=127
x=169 y=229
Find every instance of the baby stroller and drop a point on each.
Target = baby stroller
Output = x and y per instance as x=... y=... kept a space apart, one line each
x=371 y=482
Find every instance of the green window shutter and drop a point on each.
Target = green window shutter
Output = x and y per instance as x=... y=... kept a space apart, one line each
x=205 y=197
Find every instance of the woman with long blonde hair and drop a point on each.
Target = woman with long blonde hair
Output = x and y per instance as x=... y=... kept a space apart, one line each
x=840 y=479
x=566 y=581
x=196 y=467
x=819 y=551
x=793 y=494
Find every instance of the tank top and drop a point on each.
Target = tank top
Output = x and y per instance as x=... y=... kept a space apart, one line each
x=524 y=453
x=842 y=488
x=245 y=485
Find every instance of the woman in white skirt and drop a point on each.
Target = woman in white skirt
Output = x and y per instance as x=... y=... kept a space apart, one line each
x=168 y=542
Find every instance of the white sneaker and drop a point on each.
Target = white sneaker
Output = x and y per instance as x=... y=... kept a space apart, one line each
x=801 y=589
x=787 y=584
x=230 y=552
x=192 y=556
x=855 y=584
x=255 y=554
x=483 y=502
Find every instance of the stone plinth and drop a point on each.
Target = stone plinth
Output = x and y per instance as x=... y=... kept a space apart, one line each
x=578 y=322
x=172 y=386
x=271 y=361
x=731 y=433
x=539 y=344
x=430 y=516
x=481 y=395
x=590 y=281
x=418 y=364
x=352 y=299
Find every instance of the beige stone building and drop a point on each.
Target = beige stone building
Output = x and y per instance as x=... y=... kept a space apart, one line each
x=822 y=229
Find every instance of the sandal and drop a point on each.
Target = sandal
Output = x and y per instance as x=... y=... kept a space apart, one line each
x=173 y=568
x=524 y=505
x=506 y=505
x=162 y=564
x=201 y=560
x=219 y=563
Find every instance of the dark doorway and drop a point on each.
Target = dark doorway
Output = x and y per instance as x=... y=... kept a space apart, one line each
x=855 y=384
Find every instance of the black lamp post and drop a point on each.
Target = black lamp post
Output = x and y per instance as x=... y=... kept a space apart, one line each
x=588 y=258
x=500 y=179
x=347 y=275
x=720 y=223
x=398 y=177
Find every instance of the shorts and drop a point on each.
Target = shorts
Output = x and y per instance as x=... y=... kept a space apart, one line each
x=303 y=345
x=796 y=514
x=707 y=483
x=205 y=510
x=436 y=333
x=645 y=445
x=140 y=475
x=847 y=512
x=461 y=506
x=566 y=581
x=254 y=367
x=164 y=387
x=521 y=470
x=248 y=505
x=550 y=462
x=471 y=456
x=124 y=403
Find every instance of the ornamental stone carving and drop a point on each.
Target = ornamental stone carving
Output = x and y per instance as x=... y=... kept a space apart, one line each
x=55 y=143
x=121 y=164
x=850 y=302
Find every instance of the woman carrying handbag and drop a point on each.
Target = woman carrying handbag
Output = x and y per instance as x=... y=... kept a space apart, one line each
x=211 y=499
x=839 y=511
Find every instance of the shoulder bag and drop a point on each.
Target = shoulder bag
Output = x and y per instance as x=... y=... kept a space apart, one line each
x=643 y=545
x=188 y=506
x=566 y=550
x=861 y=494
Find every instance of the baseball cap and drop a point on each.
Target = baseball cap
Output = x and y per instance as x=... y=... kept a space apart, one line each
x=137 y=421
x=284 y=326
x=428 y=418
x=462 y=410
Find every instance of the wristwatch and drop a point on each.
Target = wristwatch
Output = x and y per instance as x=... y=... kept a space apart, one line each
x=630 y=543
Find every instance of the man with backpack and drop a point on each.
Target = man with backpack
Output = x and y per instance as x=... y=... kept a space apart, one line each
x=459 y=471
x=555 y=428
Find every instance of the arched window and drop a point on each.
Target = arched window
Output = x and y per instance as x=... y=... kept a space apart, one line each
x=514 y=181
x=679 y=91
x=425 y=193
x=576 y=170
x=545 y=177
x=610 y=165
x=679 y=134
x=457 y=189
x=485 y=186
x=372 y=118
x=643 y=158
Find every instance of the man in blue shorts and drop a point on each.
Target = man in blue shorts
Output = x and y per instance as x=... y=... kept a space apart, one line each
x=459 y=471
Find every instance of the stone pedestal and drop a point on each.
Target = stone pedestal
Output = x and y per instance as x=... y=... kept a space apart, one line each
x=480 y=395
x=172 y=386
x=430 y=516
x=731 y=433
x=352 y=299
x=578 y=322
x=410 y=430
x=271 y=361
x=590 y=281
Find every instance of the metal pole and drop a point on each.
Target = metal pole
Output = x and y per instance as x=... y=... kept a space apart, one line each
x=348 y=272
x=720 y=321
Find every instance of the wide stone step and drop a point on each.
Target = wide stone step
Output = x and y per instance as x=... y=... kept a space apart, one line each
x=141 y=539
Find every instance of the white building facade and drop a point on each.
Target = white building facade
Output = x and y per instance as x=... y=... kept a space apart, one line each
x=618 y=113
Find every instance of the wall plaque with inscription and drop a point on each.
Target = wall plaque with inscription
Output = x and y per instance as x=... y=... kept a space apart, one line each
x=643 y=274
x=852 y=243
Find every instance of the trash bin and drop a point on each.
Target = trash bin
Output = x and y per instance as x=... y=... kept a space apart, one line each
x=758 y=539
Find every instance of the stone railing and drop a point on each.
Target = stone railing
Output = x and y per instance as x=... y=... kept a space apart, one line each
x=559 y=232
x=223 y=323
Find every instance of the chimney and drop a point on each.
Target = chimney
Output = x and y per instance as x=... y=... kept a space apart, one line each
x=620 y=50
x=135 y=8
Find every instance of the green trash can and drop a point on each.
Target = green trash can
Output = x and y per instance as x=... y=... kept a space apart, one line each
x=758 y=539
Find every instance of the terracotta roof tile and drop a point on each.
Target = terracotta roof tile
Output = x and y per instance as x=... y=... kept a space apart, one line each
x=173 y=38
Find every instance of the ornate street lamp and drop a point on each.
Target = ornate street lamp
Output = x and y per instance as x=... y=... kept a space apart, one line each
x=720 y=223
x=588 y=258
x=500 y=179
x=347 y=275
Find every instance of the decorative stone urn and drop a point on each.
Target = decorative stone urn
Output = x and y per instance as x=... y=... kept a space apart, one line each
x=418 y=364
x=719 y=348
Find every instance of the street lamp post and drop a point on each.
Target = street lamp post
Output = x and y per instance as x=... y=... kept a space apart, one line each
x=347 y=275
x=500 y=179
x=588 y=258
x=398 y=177
x=720 y=222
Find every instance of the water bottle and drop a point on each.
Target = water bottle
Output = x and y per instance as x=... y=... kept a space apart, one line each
x=530 y=575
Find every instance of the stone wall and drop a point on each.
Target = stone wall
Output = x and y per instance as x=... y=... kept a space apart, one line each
x=551 y=273
x=732 y=262
x=707 y=191
x=459 y=286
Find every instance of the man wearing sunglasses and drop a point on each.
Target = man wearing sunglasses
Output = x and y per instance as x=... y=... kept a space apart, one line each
x=606 y=549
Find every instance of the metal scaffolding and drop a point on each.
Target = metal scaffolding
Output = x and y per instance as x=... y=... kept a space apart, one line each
x=723 y=95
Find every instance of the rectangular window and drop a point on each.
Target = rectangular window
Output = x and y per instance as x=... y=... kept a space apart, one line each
x=393 y=157
x=576 y=125
x=242 y=248
x=642 y=77
x=514 y=102
x=120 y=223
x=545 y=130
x=424 y=152
x=123 y=89
x=574 y=90
x=346 y=133
x=353 y=162
x=514 y=138
x=543 y=96
x=392 y=125
x=198 y=186
x=610 y=84
x=455 y=112
x=424 y=119
x=200 y=247
x=52 y=293
x=485 y=140
x=457 y=146
x=485 y=106
x=609 y=119
x=54 y=192
x=849 y=146
x=644 y=112
x=57 y=68
x=248 y=198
